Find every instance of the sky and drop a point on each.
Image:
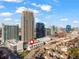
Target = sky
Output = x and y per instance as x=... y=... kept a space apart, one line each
x=49 y=12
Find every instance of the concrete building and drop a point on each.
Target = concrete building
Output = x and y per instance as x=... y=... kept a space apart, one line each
x=20 y=34
x=54 y=29
x=48 y=32
x=27 y=25
x=0 y=32
x=10 y=32
x=20 y=46
x=15 y=46
x=75 y=29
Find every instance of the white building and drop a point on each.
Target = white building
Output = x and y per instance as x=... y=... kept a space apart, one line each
x=20 y=46
x=36 y=45
x=15 y=46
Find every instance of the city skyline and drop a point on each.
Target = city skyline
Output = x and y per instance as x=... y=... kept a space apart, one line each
x=50 y=12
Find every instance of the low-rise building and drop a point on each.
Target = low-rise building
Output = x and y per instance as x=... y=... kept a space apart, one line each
x=20 y=46
x=15 y=46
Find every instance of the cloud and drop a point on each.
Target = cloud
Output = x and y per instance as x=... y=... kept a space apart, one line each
x=44 y=7
x=7 y=19
x=75 y=22
x=64 y=19
x=12 y=0
x=10 y=21
x=35 y=11
x=36 y=5
x=37 y=19
x=2 y=6
x=6 y=14
x=20 y=9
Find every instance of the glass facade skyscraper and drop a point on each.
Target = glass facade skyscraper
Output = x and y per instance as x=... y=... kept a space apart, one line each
x=40 y=30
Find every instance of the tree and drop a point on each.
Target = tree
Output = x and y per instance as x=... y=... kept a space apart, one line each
x=74 y=52
x=23 y=54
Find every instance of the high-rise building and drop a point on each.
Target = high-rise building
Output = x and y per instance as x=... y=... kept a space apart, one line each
x=27 y=25
x=40 y=30
x=48 y=31
x=0 y=32
x=53 y=30
x=68 y=28
x=10 y=32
